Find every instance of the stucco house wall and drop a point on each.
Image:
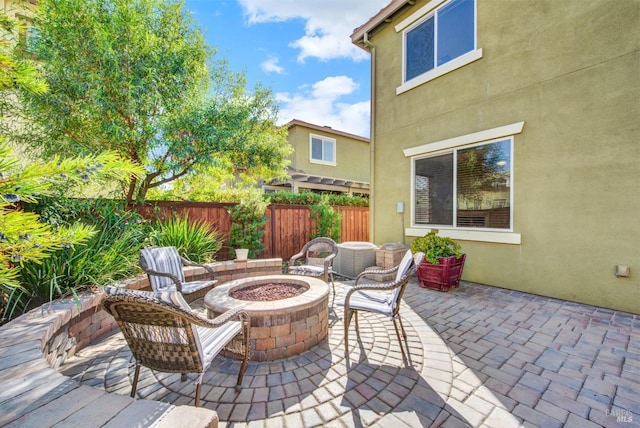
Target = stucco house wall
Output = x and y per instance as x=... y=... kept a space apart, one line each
x=348 y=171
x=352 y=152
x=569 y=70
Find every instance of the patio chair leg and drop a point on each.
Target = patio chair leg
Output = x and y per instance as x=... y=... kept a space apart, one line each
x=347 y=320
x=198 y=386
x=404 y=356
x=404 y=333
x=333 y=284
x=243 y=366
x=135 y=381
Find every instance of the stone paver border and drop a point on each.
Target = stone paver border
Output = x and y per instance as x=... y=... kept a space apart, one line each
x=34 y=345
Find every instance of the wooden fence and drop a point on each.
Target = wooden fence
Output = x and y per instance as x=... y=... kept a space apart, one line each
x=288 y=227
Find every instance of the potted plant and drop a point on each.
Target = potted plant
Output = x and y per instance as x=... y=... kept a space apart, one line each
x=443 y=261
x=248 y=219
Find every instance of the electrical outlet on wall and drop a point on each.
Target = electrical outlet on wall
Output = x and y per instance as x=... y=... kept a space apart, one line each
x=623 y=271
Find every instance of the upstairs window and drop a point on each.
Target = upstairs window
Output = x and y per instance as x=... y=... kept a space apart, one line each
x=322 y=150
x=446 y=34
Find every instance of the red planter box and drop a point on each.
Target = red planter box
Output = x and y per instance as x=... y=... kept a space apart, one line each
x=443 y=276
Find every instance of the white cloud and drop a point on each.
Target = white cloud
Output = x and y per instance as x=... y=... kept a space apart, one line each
x=320 y=105
x=334 y=87
x=329 y=23
x=271 y=66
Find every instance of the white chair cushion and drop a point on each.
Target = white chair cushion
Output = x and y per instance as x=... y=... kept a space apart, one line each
x=373 y=301
x=165 y=260
x=173 y=297
x=190 y=287
x=309 y=270
x=212 y=340
x=404 y=265
x=379 y=301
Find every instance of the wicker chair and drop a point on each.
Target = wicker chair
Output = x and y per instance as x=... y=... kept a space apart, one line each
x=163 y=266
x=315 y=259
x=165 y=335
x=382 y=298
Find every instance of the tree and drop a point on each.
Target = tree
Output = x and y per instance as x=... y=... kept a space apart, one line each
x=134 y=76
x=23 y=237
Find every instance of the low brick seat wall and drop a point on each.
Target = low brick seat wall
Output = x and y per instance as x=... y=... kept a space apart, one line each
x=35 y=344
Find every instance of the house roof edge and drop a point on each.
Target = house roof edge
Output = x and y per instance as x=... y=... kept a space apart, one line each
x=378 y=19
x=327 y=129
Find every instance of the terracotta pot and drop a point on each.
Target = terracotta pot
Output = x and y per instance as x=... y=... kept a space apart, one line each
x=443 y=276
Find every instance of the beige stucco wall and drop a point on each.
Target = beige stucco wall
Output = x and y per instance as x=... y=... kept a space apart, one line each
x=20 y=7
x=352 y=155
x=570 y=70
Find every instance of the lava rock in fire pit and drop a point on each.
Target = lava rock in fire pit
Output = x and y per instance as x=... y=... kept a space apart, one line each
x=268 y=292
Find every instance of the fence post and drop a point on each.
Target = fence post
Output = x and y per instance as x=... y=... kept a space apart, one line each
x=273 y=230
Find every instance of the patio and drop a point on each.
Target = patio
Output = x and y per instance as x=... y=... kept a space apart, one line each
x=480 y=356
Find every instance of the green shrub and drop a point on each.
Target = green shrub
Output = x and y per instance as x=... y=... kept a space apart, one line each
x=311 y=198
x=434 y=246
x=248 y=219
x=326 y=221
x=194 y=240
x=110 y=254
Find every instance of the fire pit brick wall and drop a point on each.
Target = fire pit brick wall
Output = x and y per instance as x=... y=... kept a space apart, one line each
x=284 y=335
x=280 y=328
x=91 y=324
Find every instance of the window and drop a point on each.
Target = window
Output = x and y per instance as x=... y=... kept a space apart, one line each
x=322 y=150
x=468 y=187
x=443 y=36
x=438 y=38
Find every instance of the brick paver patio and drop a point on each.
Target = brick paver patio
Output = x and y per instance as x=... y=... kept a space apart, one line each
x=480 y=356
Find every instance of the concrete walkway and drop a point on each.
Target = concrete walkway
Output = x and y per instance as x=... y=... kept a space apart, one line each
x=480 y=356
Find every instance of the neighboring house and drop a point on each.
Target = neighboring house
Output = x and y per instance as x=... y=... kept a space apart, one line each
x=326 y=160
x=21 y=9
x=513 y=127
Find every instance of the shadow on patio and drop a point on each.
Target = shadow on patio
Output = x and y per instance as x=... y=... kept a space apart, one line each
x=480 y=356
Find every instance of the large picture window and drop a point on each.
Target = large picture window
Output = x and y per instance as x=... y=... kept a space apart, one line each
x=322 y=150
x=446 y=34
x=469 y=187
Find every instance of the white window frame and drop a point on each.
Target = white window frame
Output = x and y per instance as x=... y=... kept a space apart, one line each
x=417 y=18
x=323 y=139
x=447 y=146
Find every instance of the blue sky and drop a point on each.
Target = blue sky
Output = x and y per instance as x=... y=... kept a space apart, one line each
x=301 y=49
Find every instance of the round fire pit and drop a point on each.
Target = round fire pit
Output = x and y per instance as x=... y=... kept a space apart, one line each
x=279 y=328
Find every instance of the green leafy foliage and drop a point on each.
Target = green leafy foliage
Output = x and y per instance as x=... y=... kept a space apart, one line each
x=310 y=198
x=20 y=183
x=111 y=253
x=25 y=240
x=435 y=246
x=248 y=219
x=137 y=77
x=23 y=237
x=325 y=220
x=202 y=189
x=194 y=240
